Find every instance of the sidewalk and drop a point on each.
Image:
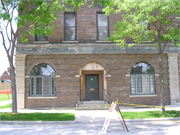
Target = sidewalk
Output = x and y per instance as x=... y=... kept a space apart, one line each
x=2 y=103
x=93 y=115
x=90 y=122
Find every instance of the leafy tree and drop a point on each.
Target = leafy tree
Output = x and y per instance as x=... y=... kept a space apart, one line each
x=163 y=17
x=35 y=17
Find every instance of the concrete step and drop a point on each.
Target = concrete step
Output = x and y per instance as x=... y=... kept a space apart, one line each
x=93 y=105
x=94 y=102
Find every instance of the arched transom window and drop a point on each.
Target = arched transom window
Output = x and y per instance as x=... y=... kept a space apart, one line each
x=142 y=79
x=42 y=80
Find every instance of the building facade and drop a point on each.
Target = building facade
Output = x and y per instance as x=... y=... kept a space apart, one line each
x=5 y=82
x=77 y=59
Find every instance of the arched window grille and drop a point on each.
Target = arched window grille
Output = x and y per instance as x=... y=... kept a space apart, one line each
x=42 y=80
x=142 y=79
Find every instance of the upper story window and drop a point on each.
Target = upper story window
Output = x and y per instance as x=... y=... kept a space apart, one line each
x=142 y=79
x=42 y=80
x=102 y=26
x=70 y=26
x=147 y=27
x=41 y=38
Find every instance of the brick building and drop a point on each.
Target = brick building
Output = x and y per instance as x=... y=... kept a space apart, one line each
x=77 y=60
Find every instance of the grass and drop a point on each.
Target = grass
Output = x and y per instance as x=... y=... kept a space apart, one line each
x=71 y=116
x=150 y=114
x=37 y=116
x=6 y=106
x=4 y=97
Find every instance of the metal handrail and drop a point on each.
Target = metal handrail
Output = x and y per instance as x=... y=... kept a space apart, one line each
x=108 y=92
x=79 y=101
x=107 y=96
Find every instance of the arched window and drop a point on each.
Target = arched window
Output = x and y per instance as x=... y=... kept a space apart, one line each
x=142 y=79
x=42 y=80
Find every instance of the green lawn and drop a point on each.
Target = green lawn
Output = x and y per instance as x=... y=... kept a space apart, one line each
x=6 y=106
x=37 y=117
x=4 y=97
x=150 y=114
x=71 y=116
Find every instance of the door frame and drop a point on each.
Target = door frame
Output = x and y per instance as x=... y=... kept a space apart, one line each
x=101 y=82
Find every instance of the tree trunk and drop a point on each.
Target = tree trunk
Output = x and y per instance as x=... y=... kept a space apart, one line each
x=161 y=78
x=161 y=75
x=13 y=85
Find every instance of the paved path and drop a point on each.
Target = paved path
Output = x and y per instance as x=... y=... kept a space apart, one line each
x=90 y=122
x=92 y=128
x=2 y=103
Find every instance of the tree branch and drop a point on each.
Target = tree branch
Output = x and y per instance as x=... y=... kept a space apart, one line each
x=165 y=44
x=1 y=31
x=7 y=31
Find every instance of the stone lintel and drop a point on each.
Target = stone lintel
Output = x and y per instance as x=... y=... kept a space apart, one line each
x=41 y=97
x=143 y=95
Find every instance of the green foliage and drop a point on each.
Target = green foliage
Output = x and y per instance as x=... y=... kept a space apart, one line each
x=138 y=14
x=35 y=17
x=37 y=116
x=150 y=114
x=4 y=97
x=6 y=106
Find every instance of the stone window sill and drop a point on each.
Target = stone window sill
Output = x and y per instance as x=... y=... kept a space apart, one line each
x=42 y=98
x=40 y=42
x=143 y=95
x=67 y=42
x=98 y=41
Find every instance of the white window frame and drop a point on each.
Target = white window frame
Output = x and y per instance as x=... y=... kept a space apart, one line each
x=149 y=84
x=34 y=91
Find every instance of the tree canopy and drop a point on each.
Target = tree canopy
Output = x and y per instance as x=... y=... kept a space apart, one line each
x=154 y=19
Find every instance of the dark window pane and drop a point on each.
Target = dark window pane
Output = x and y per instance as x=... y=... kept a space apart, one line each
x=102 y=33
x=69 y=20
x=102 y=20
x=70 y=33
x=41 y=38
x=142 y=68
x=39 y=86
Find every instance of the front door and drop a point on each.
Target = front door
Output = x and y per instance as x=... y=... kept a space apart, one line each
x=92 y=87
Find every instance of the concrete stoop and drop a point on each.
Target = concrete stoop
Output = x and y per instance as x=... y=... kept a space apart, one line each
x=93 y=105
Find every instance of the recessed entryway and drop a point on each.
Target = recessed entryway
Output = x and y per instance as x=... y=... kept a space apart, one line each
x=93 y=82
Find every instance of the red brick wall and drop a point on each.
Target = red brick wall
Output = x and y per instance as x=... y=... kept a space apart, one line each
x=118 y=66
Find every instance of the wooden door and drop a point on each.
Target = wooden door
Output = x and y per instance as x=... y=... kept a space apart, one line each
x=91 y=87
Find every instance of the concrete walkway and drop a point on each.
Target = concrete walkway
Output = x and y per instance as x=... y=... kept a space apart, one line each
x=90 y=122
x=2 y=103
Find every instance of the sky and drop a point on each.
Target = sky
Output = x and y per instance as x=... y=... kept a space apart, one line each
x=4 y=64
x=3 y=58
